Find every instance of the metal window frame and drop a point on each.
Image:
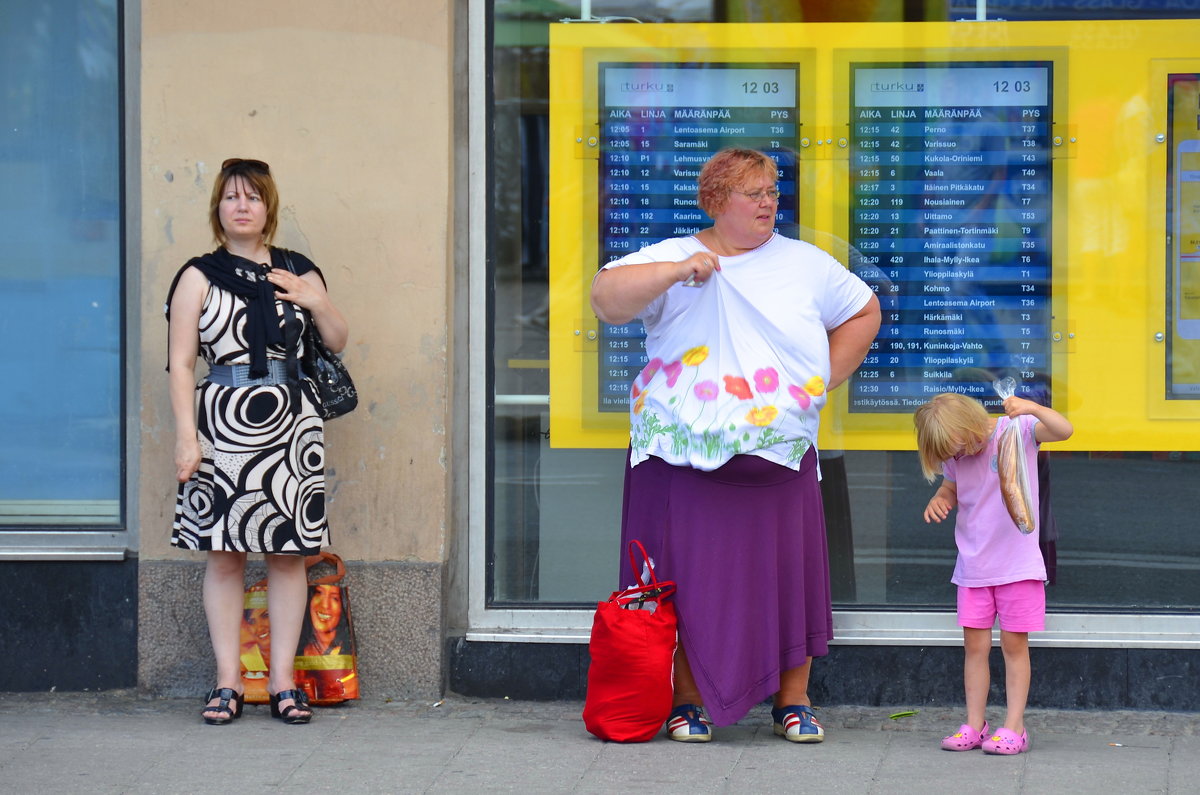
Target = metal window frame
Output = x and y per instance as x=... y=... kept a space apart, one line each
x=1125 y=629
x=110 y=543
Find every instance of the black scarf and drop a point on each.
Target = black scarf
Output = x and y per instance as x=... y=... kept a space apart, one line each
x=248 y=279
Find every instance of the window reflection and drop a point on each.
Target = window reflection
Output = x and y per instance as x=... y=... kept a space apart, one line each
x=554 y=524
x=1110 y=553
x=60 y=285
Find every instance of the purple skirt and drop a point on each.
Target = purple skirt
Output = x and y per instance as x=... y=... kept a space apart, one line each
x=746 y=547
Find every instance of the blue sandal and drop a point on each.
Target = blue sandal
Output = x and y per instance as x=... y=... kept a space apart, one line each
x=798 y=724
x=688 y=723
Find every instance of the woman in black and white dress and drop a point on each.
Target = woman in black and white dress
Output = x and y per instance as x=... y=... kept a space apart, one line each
x=249 y=441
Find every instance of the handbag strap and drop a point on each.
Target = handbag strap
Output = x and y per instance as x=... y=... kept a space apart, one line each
x=312 y=336
x=287 y=260
x=324 y=556
x=292 y=344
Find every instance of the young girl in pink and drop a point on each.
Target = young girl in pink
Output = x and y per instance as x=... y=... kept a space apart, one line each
x=1000 y=571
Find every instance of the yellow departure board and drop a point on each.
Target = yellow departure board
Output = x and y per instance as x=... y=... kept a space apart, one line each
x=973 y=174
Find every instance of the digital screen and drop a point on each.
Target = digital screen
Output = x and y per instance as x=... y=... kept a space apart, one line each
x=950 y=223
x=659 y=124
x=1183 y=228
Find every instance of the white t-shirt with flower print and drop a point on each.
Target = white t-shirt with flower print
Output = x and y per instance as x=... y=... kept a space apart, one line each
x=739 y=364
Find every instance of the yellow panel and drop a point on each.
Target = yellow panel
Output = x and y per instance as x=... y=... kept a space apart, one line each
x=1113 y=266
x=575 y=420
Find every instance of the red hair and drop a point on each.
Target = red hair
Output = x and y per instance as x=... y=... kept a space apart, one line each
x=728 y=170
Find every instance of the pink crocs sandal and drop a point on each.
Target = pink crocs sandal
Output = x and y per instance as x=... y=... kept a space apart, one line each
x=966 y=738
x=1006 y=741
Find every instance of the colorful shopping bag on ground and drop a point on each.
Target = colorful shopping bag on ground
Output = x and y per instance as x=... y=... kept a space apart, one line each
x=326 y=656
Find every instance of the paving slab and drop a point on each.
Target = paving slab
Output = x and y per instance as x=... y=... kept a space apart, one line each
x=121 y=742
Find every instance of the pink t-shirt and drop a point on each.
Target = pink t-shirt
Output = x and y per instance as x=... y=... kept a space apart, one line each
x=991 y=550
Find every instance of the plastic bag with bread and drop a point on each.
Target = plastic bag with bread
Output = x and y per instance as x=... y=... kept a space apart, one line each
x=1012 y=468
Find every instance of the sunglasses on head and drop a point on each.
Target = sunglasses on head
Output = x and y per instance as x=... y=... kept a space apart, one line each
x=235 y=162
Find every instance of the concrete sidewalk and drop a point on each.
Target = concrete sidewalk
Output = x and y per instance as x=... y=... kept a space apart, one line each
x=120 y=742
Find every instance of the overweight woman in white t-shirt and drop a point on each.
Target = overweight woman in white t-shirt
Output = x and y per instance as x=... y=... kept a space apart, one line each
x=746 y=332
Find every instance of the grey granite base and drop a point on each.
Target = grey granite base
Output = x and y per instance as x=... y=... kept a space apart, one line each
x=398 y=626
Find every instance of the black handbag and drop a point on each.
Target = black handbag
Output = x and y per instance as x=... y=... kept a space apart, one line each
x=336 y=393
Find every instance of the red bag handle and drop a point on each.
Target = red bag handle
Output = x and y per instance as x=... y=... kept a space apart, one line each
x=647 y=563
x=653 y=591
x=331 y=559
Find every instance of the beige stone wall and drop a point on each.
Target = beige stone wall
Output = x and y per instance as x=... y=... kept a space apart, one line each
x=350 y=102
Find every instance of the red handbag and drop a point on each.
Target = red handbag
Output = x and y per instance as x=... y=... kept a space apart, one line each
x=632 y=648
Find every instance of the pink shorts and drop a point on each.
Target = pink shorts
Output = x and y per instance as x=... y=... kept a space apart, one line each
x=1020 y=605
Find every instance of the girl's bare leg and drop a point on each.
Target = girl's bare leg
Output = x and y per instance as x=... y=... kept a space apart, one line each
x=977 y=677
x=1017 y=673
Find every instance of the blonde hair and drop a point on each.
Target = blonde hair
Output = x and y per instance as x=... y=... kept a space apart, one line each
x=257 y=175
x=944 y=424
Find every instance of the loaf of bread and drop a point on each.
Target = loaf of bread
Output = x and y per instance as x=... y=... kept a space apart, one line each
x=1014 y=478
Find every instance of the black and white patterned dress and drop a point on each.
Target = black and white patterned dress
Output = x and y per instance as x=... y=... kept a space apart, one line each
x=261 y=482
